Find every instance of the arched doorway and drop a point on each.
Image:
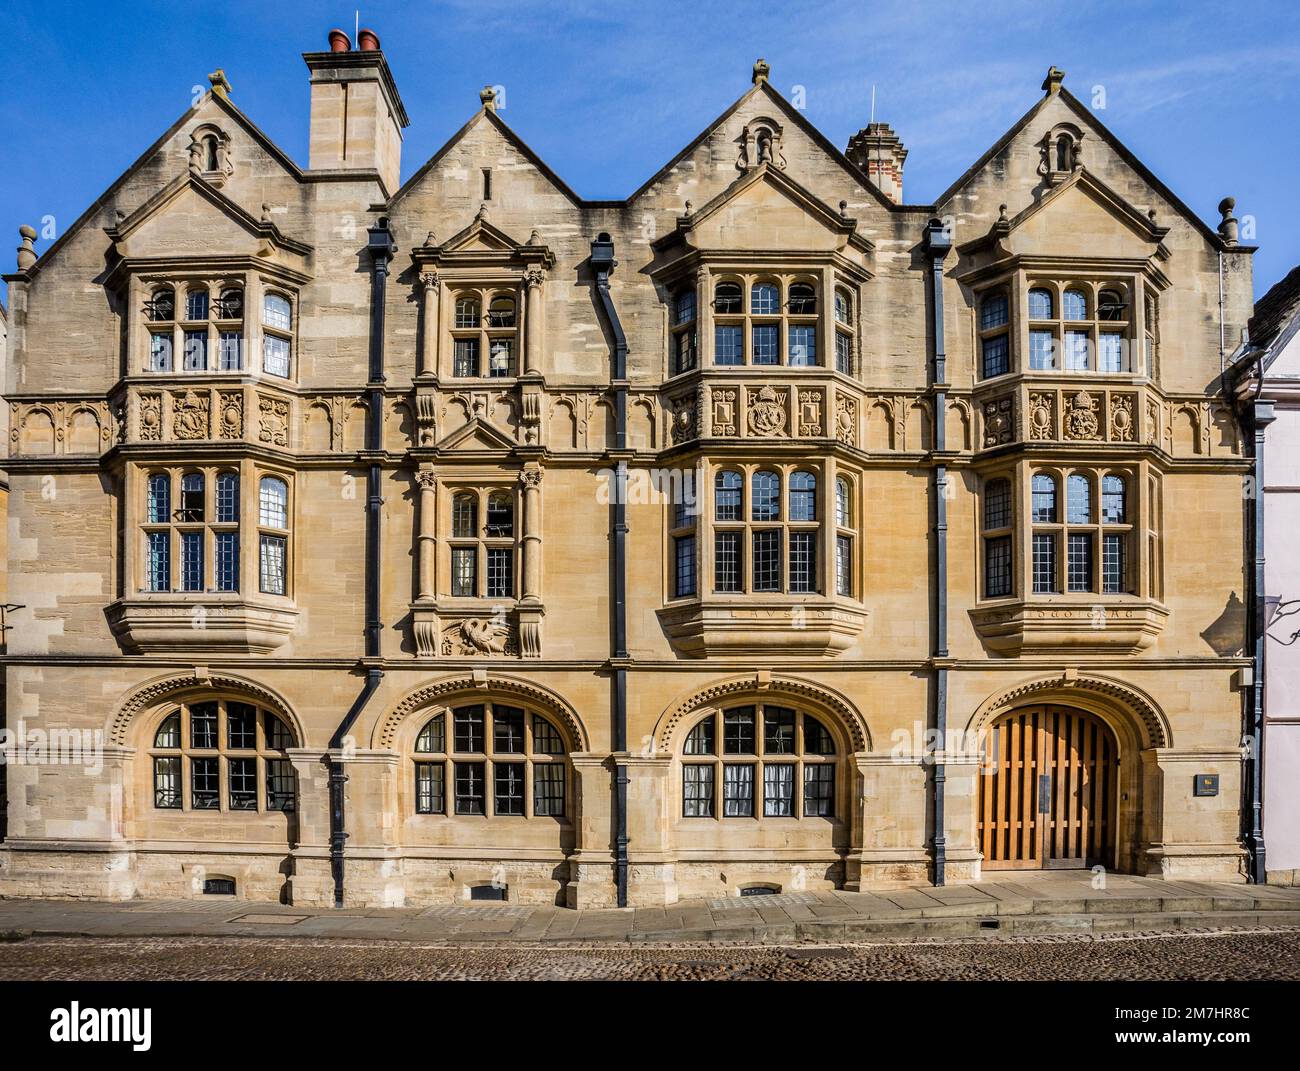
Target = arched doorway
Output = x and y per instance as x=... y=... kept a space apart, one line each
x=1048 y=790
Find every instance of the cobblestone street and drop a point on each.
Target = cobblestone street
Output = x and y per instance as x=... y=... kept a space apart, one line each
x=1261 y=954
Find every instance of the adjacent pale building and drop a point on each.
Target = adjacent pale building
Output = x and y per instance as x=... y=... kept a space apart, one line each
x=762 y=531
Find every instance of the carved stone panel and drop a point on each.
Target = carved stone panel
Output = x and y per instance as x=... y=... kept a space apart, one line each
x=999 y=421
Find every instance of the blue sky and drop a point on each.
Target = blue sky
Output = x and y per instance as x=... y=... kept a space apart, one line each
x=606 y=92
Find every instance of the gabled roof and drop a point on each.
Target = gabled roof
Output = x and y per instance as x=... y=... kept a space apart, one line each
x=223 y=102
x=1142 y=225
x=488 y=437
x=482 y=242
x=262 y=229
x=773 y=176
x=485 y=115
x=794 y=115
x=1088 y=117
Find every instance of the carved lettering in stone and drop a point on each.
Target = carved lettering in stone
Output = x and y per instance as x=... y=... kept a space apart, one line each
x=767 y=415
x=190 y=415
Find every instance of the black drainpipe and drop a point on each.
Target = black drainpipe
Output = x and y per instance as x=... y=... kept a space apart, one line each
x=602 y=263
x=937 y=243
x=1258 y=417
x=381 y=249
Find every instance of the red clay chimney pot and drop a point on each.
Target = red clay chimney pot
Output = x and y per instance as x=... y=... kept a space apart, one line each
x=340 y=42
x=368 y=41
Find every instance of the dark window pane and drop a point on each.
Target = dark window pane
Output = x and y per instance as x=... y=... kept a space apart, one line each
x=778 y=731
x=241 y=726
x=468 y=723
x=160 y=497
x=1114 y=565
x=464 y=521
x=192 y=504
x=684 y=306
x=817 y=739
x=843 y=565
x=191 y=561
x=203 y=725
x=700 y=740
x=996 y=356
x=500 y=578
x=818 y=790
x=997 y=567
x=205 y=785
x=243 y=784
x=546 y=737
x=767 y=561
x=196 y=351
x=726 y=561
x=726 y=298
x=500 y=515
x=508 y=788
x=169 y=732
x=470 y=791
x=997 y=504
x=993 y=311
x=738 y=731
x=684 y=566
x=227 y=563
x=508 y=730
x=548 y=788
x=803 y=299
x=278 y=737
x=159 y=562
x=465 y=357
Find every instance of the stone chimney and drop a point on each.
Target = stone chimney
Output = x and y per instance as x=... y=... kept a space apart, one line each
x=357 y=117
x=877 y=150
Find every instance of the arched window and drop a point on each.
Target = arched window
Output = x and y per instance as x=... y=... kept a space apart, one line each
x=228 y=497
x=191 y=497
x=1111 y=306
x=1064 y=153
x=210 y=153
x=1075 y=305
x=161 y=306
x=843 y=308
x=684 y=332
x=160 y=498
x=1114 y=508
x=803 y=299
x=503 y=761
x=726 y=496
x=1044 y=498
x=760 y=761
x=844 y=332
x=196 y=304
x=482 y=552
x=765 y=299
x=230 y=306
x=464 y=507
x=197 y=528
x=997 y=538
x=1040 y=304
x=727 y=299
x=995 y=353
x=222 y=755
x=765 y=496
x=845 y=536
x=273 y=535
x=277 y=325
x=1078 y=499
x=501 y=313
x=1045 y=549
x=1117 y=533
x=467 y=312
x=803 y=496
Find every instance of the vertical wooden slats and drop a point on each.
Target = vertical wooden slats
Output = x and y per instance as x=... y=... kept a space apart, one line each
x=1077 y=751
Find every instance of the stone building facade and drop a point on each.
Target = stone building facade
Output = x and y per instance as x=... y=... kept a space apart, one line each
x=468 y=539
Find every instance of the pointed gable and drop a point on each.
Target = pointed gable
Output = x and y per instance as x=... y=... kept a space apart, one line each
x=476 y=436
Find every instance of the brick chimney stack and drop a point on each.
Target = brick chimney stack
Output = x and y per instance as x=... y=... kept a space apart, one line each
x=877 y=150
x=357 y=117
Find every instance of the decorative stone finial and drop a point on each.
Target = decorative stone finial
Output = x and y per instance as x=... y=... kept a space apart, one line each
x=761 y=71
x=488 y=96
x=220 y=84
x=1002 y=213
x=689 y=206
x=482 y=211
x=1228 y=224
x=844 y=208
x=1055 y=76
x=266 y=212
x=534 y=238
x=430 y=241
x=26 y=251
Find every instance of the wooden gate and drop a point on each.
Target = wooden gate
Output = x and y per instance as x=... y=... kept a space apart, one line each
x=1047 y=787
